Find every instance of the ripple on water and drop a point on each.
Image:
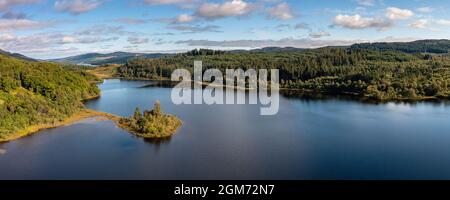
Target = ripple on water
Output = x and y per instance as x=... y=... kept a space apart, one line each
x=2 y=151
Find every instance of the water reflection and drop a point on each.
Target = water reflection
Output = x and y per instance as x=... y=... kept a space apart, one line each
x=313 y=96
x=158 y=141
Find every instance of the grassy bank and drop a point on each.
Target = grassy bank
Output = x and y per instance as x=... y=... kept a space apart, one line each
x=83 y=114
x=105 y=72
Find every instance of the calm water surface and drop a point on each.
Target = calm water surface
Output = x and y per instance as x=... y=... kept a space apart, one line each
x=308 y=139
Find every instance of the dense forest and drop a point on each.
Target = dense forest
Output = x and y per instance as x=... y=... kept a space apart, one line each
x=420 y=46
x=33 y=93
x=383 y=75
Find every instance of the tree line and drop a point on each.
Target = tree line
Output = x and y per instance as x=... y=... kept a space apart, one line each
x=375 y=74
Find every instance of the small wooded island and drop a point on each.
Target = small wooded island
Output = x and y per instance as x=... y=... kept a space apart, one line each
x=151 y=124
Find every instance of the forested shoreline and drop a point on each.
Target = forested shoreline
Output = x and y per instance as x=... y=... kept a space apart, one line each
x=380 y=75
x=34 y=95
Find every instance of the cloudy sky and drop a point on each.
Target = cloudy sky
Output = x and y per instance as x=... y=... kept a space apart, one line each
x=59 y=28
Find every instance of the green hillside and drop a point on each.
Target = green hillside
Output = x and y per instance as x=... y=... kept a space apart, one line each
x=33 y=93
x=104 y=59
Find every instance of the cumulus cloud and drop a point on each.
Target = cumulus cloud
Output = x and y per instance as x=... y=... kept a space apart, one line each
x=359 y=22
x=137 y=40
x=421 y=23
x=7 y=4
x=184 y=18
x=282 y=12
x=394 y=13
x=180 y=19
x=77 y=7
x=226 y=9
x=319 y=34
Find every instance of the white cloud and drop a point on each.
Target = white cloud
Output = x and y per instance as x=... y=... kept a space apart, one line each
x=195 y=29
x=302 y=26
x=226 y=9
x=425 y=9
x=286 y=42
x=76 y=7
x=366 y=2
x=7 y=4
x=394 y=13
x=358 y=22
x=444 y=22
x=184 y=18
x=319 y=34
x=21 y=24
x=68 y=39
x=282 y=12
x=7 y=38
x=180 y=19
x=421 y=23
x=137 y=40
x=101 y=30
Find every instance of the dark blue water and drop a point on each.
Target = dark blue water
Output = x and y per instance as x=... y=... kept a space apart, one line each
x=308 y=139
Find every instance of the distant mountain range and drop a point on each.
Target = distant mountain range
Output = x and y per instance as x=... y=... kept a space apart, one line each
x=94 y=59
x=16 y=55
x=101 y=59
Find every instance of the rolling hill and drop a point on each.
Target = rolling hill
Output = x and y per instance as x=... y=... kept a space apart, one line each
x=39 y=93
x=110 y=58
x=16 y=55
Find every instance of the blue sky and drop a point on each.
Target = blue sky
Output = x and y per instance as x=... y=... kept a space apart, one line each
x=59 y=28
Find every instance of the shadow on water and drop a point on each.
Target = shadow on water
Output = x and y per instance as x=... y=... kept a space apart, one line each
x=314 y=96
x=158 y=141
x=160 y=84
